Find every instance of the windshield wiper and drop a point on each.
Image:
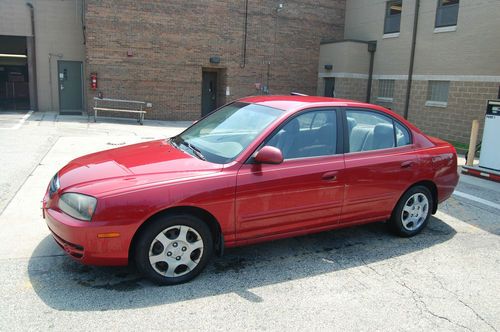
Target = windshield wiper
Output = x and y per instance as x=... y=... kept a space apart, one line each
x=195 y=150
x=177 y=140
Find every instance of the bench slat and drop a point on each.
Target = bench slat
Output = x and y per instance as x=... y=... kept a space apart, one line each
x=116 y=110
x=120 y=100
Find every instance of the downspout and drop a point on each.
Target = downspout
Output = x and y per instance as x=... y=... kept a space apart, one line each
x=33 y=58
x=245 y=32
x=412 y=59
x=372 y=47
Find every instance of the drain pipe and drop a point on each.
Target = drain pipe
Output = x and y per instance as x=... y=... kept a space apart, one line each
x=34 y=96
x=372 y=47
x=245 y=33
x=412 y=59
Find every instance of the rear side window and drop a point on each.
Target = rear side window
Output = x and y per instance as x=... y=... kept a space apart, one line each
x=369 y=130
x=402 y=135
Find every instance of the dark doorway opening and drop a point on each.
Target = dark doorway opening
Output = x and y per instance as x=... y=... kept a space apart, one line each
x=209 y=91
x=329 y=87
x=14 y=80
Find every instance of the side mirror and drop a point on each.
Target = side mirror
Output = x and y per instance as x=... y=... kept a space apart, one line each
x=269 y=155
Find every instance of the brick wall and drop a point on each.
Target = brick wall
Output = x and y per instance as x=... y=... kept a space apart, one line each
x=351 y=88
x=171 y=42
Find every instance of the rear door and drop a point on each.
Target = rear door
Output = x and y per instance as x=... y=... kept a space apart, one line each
x=381 y=163
x=302 y=193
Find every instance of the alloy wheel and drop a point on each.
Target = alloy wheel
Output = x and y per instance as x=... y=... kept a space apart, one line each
x=415 y=211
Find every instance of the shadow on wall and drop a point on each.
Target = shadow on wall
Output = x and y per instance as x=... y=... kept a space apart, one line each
x=69 y=286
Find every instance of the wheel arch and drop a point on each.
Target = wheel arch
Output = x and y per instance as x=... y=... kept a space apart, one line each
x=202 y=214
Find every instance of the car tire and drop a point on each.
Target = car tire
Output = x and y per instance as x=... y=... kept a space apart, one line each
x=173 y=249
x=412 y=212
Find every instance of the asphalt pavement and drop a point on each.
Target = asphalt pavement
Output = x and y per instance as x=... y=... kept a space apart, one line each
x=361 y=278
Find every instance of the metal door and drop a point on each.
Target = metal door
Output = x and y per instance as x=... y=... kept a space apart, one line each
x=208 y=92
x=329 y=87
x=69 y=74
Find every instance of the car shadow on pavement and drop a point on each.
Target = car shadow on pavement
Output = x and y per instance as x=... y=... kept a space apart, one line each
x=69 y=286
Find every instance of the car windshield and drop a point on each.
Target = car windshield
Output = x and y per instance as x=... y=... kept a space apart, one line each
x=224 y=134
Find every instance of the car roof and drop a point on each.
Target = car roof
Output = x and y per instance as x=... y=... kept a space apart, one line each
x=294 y=103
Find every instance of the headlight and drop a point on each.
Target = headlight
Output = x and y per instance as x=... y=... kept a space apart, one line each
x=78 y=206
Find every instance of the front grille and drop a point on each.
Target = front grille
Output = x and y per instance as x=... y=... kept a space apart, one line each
x=75 y=250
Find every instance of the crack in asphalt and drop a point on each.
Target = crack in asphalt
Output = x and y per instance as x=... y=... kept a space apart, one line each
x=425 y=308
x=461 y=301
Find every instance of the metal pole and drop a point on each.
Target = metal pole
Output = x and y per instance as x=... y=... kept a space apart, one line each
x=412 y=59
x=31 y=45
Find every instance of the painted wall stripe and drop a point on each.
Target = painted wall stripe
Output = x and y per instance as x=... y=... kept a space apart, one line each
x=455 y=78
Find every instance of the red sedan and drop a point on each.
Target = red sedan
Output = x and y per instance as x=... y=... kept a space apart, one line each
x=258 y=169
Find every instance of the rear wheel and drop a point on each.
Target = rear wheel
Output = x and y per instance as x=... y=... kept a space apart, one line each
x=412 y=212
x=174 y=249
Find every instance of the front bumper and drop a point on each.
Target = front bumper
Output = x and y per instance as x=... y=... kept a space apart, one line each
x=80 y=239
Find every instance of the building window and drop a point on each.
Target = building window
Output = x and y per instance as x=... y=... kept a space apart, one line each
x=385 y=90
x=437 y=93
x=446 y=13
x=393 y=16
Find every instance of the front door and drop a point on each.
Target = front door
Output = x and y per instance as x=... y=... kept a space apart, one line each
x=208 y=92
x=70 y=87
x=302 y=193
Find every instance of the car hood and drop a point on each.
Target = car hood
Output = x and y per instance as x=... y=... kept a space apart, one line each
x=132 y=165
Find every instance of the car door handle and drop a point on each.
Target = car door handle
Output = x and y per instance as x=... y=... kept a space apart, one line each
x=406 y=164
x=330 y=176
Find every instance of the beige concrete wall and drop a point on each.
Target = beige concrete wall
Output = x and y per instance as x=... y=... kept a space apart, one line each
x=58 y=30
x=470 y=50
x=346 y=57
x=473 y=49
x=14 y=18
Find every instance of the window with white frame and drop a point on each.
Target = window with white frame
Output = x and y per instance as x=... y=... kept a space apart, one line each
x=437 y=93
x=393 y=16
x=385 y=90
x=446 y=13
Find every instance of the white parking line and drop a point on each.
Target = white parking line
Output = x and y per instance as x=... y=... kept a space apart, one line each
x=21 y=121
x=477 y=199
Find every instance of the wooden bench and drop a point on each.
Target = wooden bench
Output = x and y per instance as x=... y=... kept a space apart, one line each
x=124 y=106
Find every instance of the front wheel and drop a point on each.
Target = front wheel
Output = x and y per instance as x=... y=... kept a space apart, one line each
x=412 y=212
x=174 y=249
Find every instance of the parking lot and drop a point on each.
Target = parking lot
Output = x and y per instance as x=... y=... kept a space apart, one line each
x=362 y=278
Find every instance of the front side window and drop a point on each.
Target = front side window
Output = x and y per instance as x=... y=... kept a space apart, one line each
x=369 y=130
x=437 y=91
x=447 y=13
x=393 y=16
x=224 y=134
x=310 y=134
